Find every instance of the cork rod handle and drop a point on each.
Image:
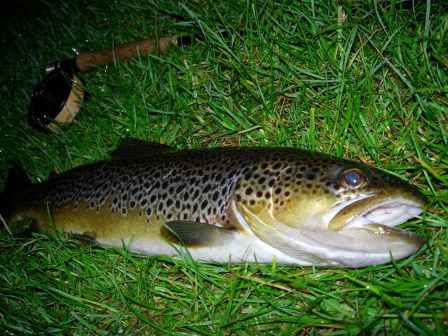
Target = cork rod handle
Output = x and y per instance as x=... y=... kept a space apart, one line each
x=87 y=59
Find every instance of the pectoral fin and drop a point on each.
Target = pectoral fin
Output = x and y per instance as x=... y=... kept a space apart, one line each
x=194 y=234
x=277 y=235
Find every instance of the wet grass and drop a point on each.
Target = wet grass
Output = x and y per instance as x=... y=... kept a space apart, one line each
x=361 y=80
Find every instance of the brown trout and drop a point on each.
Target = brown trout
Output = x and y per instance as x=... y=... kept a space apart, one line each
x=228 y=205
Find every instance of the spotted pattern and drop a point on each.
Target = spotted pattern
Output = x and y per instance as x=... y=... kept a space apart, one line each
x=198 y=185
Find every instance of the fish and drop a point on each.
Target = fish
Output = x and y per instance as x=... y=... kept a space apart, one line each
x=227 y=205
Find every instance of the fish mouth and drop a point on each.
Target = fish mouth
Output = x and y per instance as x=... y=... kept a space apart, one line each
x=369 y=211
x=356 y=232
x=362 y=231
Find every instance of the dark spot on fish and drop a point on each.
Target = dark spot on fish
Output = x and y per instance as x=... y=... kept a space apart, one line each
x=135 y=191
x=249 y=191
x=248 y=175
x=310 y=176
x=287 y=193
x=186 y=195
x=278 y=191
x=259 y=193
x=277 y=166
x=271 y=183
x=207 y=188
x=204 y=204
x=308 y=185
x=195 y=207
x=224 y=191
x=169 y=202
x=267 y=195
x=196 y=194
x=252 y=202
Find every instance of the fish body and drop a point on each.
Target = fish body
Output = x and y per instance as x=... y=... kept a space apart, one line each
x=231 y=205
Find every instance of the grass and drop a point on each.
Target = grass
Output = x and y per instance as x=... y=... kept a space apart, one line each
x=364 y=80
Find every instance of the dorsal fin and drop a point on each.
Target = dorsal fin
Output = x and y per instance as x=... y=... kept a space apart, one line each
x=131 y=147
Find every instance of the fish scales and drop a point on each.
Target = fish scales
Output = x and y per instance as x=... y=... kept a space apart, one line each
x=249 y=204
x=193 y=185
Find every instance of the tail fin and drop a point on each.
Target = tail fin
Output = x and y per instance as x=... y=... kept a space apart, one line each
x=16 y=183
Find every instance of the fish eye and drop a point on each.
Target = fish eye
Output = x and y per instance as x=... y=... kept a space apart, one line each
x=352 y=178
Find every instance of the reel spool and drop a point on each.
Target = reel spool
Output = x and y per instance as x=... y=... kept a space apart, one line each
x=56 y=99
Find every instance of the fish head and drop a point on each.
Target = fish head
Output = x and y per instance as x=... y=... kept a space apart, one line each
x=328 y=211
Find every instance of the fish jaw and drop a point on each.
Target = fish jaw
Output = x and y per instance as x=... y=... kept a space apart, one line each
x=386 y=209
x=363 y=231
x=356 y=233
x=359 y=247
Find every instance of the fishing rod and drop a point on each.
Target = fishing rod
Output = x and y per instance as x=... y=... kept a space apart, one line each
x=57 y=98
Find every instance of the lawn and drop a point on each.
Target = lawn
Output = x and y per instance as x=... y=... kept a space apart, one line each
x=362 y=80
